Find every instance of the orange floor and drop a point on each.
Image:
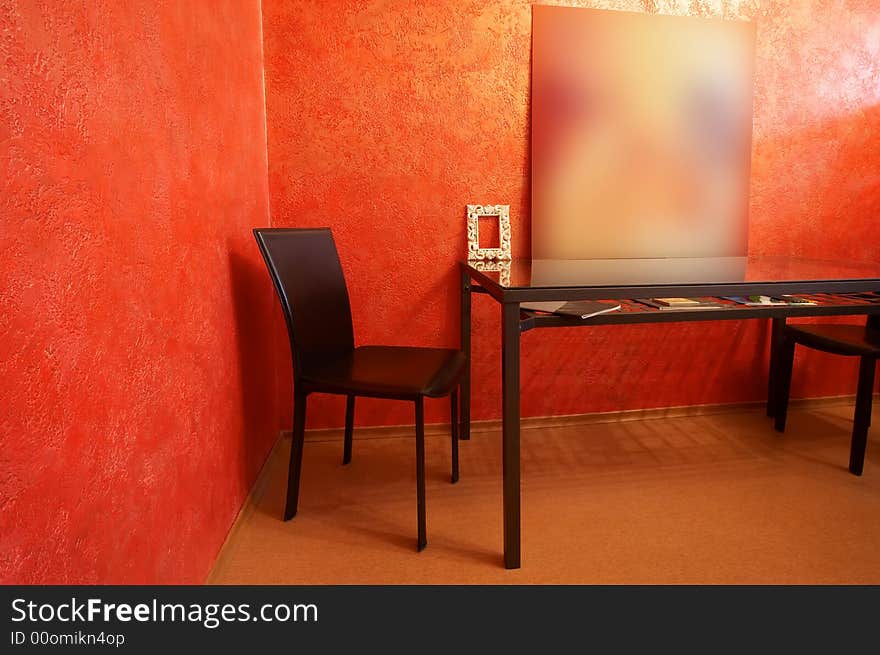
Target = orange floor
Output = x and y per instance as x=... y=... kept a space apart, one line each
x=720 y=498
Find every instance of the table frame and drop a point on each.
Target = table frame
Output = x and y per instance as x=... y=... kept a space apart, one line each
x=514 y=322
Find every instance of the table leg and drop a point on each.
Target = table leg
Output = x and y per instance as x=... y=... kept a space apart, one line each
x=464 y=431
x=873 y=323
x=778 y=325
x=510 y=416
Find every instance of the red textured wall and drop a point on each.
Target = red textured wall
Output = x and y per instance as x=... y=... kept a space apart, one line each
x=138 y=395
x=387 y=117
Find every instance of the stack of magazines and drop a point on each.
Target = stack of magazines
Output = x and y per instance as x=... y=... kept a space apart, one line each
x=681 y=303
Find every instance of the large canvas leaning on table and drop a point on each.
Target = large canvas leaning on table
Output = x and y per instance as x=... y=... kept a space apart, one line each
x=641 y=134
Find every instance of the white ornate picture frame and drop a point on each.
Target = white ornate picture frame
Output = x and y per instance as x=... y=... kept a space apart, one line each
x=474 y=214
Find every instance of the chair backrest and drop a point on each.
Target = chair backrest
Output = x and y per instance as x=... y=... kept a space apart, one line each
x=305 y=268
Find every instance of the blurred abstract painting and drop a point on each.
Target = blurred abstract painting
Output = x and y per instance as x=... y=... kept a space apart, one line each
x=641 y=134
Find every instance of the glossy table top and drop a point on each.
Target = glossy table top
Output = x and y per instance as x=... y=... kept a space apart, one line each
x=559 y=273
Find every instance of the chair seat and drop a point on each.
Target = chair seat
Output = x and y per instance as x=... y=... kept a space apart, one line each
x=390 y=371
x=837 y=339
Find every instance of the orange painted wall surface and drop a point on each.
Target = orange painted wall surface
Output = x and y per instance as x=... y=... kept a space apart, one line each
x=386 y=118
x=137 y=386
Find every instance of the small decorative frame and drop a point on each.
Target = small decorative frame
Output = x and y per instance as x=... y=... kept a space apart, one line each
x=474 y=213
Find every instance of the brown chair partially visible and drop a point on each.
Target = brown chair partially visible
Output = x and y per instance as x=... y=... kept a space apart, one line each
x=848 y=340
x=304 y=266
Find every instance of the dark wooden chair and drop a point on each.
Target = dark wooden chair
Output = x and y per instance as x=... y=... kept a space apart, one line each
x=849 y=340
x=308 y=277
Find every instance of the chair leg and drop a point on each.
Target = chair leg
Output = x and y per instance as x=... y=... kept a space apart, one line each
x=453 y=403
x=420 y=471
x=782 y=380
x=296 y=452
x=349 y=429
x=862 y=416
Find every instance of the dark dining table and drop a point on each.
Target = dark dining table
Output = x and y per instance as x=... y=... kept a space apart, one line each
x=834 y=288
